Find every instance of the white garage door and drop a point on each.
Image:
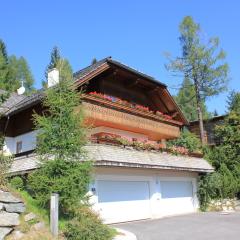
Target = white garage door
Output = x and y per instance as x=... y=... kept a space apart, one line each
x=121 y=201
x=177 y=197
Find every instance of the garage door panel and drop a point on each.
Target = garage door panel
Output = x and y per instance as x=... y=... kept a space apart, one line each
x=177 y=197
x=176 y=189
x=121 y=201
x=117 y=191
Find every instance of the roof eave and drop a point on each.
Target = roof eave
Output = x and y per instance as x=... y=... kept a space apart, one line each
x=107 y=163
x=143 y=75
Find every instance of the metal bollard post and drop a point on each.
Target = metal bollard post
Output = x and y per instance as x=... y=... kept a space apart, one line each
x=54 y=214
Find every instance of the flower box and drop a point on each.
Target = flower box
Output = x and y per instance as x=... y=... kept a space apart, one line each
x=128 y=104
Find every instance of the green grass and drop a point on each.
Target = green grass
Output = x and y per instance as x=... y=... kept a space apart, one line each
x=32 y=206
x=41 y=213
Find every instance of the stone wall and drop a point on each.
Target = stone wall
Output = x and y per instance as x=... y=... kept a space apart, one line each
x=10 y=209
x=222 y=205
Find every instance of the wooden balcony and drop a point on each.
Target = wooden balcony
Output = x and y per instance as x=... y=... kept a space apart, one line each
x=100 y=112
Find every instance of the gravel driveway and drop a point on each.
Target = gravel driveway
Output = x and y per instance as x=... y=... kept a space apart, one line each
x=199 y=226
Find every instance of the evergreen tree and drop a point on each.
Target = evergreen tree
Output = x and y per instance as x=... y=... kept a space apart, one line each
x=94 y=61
x=225 y=157
x=215 y=113
x=234 y=102
x=19 y=72
x=54 y=59
x=202 y=63
x=4 y=70
x=3 y=50
x=187 y=101
x=13 y=71
x=61 y=137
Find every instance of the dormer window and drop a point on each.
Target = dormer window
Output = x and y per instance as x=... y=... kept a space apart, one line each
x=19 y=147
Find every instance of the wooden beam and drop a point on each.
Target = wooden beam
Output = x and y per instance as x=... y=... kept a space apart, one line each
x=154 y=90
x=133 y=83
x=173 y=114
x=161 y=100
x=91 y=75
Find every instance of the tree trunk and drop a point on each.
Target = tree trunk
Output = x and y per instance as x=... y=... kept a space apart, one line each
x=199 y=110
x=200 y=119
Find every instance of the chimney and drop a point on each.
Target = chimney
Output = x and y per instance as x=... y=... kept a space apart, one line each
x=53 y=77
x=21 y=90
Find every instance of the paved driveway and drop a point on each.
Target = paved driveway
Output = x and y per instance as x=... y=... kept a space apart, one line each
x=199 y=226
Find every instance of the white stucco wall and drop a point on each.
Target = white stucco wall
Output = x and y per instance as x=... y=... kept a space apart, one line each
x=28 y=142
x=29 y=139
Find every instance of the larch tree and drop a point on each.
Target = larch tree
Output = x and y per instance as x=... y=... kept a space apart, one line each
x=186 y=99
x=14 y=71
x=202 y=63
x=19 y=73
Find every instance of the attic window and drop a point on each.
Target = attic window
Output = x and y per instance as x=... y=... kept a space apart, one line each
x=19 y=147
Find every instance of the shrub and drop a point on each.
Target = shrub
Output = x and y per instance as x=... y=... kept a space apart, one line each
x=68 y=178
x=209 y=187
x=187 y=140
x=218 y=185
x=17 y=183
x=5 y=163
x=86 y=225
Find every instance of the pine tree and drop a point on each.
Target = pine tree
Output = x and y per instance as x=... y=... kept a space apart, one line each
x=94 y=60
x=202 y=63
x=13 y=71
x=54 y=59
x=186 y=99
x=215 y=113
x=3 y=50
x=234 y=102
x=4 y=70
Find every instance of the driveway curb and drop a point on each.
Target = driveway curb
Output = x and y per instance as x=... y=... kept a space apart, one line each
x=126 y=235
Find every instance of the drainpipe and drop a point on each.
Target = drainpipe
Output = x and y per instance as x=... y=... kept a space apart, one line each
x=5 y=129
x=6 y=125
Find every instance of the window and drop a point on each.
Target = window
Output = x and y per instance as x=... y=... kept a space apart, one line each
x=19 y=147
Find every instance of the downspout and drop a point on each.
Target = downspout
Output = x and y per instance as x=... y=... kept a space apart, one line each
x=4 y=131
x=6 y=125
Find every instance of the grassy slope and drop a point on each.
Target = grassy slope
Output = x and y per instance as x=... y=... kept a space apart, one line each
x=42 y=215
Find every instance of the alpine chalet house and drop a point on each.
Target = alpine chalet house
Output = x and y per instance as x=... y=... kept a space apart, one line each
x=132 y=116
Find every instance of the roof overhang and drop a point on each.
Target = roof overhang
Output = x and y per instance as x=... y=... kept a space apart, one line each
x=114 y=65
x=93 y=71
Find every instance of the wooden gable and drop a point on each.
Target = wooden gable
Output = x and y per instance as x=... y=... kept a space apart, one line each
x=115 y=79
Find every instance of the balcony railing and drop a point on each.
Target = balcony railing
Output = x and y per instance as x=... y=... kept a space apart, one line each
x=102 y=112
x=137 y=109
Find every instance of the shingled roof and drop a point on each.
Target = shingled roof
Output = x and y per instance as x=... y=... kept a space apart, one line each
x=12 y=101
x=17 y=103
x=25 y=102
x=116 y=156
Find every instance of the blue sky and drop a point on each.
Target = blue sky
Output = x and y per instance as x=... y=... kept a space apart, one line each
x=135 y=32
